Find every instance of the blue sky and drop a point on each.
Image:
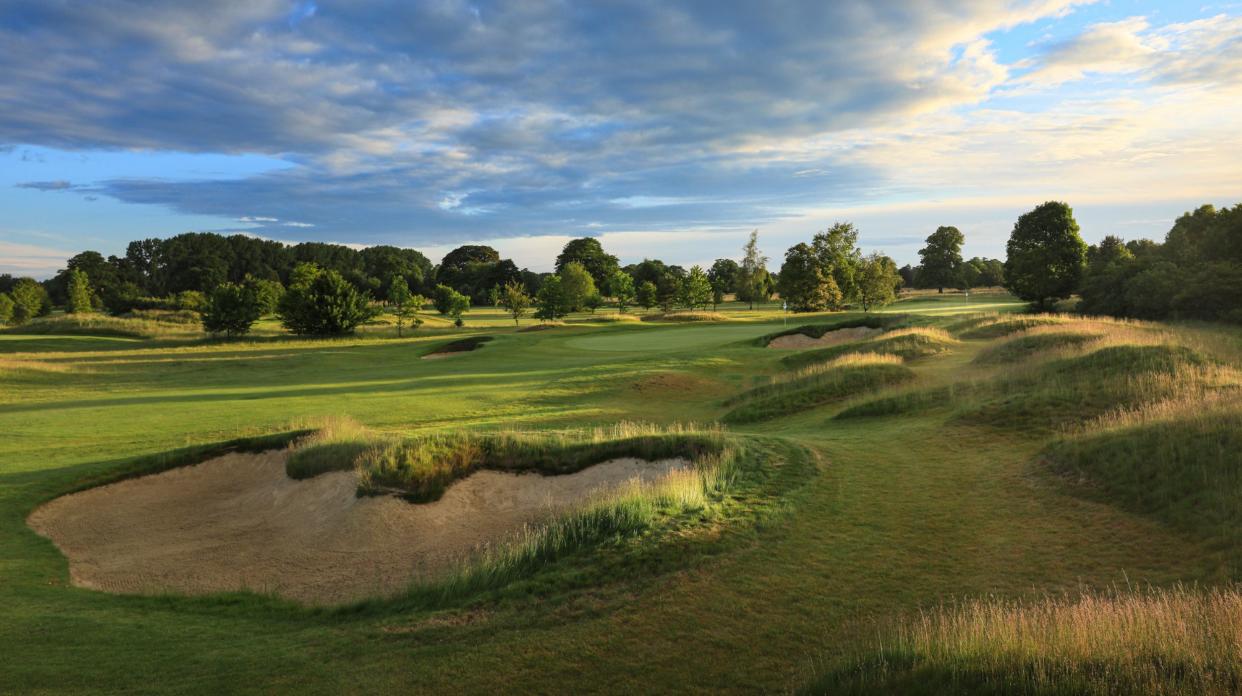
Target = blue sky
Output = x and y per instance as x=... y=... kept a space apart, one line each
x=667 y=129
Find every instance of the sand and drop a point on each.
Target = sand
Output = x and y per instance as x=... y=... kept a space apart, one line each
x=237 y=522
x=802 y=341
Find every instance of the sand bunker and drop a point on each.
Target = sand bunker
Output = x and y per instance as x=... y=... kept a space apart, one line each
x=802 y=341
x=237 y=522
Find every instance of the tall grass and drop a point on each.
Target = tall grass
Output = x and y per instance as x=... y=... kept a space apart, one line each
x=104 y=325
x=908 y=344
x=1176 y=641
x=335 y=445
x=687 y=316
x=818 y=385
x=875 y=321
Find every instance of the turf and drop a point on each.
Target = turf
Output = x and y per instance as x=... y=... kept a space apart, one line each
x=902 y=512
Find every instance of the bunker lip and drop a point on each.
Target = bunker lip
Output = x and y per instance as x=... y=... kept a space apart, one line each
x=458 y=347
x=238 y=522
x=799 y=341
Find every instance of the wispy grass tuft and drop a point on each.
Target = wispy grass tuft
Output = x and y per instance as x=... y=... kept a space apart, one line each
x=818 y=385
x=908 y=344
x=335 y=446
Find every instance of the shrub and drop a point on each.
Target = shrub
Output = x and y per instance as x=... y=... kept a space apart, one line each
x=327 y=306
x=30 y=300
x=79 y=293
x=449 y=302
x=6 y=308
x=232 y=309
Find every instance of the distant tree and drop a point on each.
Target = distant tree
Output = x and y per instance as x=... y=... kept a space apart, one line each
x=588 y=252
x=1045 y=255
x=752 y=279
x=383 y=263
x=942 y=258
x=6 y=308
x=493 y=296
x=577 y=284
x=328 y=306
x=1212 y=291
x=622 y=286
x=550 y=302
x=231 y=310
x=839 y=257
x=1111 y=249
x=647 y=295
x=696 y=289
x=991 y=272
x=267 y=293
x=907 y=275
x=401 y=300
x=1149 y=293
x=803 y=283
x=723 y=275
x=78 y=295
x=30 y=300
x=449 y=302
x=304 y=274
x=514 y=299
x=593 y=302
x=878 y=281
x=717 y=297
x=192 y=300
x=647 y=270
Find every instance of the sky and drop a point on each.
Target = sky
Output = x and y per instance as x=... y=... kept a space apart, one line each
x=665 y=129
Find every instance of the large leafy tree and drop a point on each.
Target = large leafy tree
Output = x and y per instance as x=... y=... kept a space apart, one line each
x=30 y=300
x=752 y=278
x=941 y=258
x=622 y=285
x=878 y=281
x=1046 y=256
x=78 y=294
x=514 y=299
x=231 y=310
x=550 y=303
x=803 y=283
x=326 y=306
x=839 y=257
x=577 y=284
x=723 y=275
x=588 y=252
x=6 y=308
x=696 y=290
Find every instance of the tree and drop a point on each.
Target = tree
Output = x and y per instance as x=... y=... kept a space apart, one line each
x=514 y=299
x=267 y=293
x=839 y=256
x=752 y=279
x=588 y=252
x=231 y=309
x=328 y=306
x=942 y=258
x=622 y=286
x=30 y=300
x=717 y=297
x=577 y=285
x=304 y=274
x=449 y=302
x=401 y=300
x=647 y=295
x=723 y=275
x=78 y=293
x=593 y=302
x=493 y=296
x=1045 y=255
x=6 y=308
x=803 y=283
x=878 y=281
x=696 y=289
x=550 y=303
x=907 y=275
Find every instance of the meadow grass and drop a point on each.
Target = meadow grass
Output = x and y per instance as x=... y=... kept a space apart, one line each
x=816 y=386
x=997 y=325
x=687 y=316
x=104 y=325
x=1153 y=641
x=909 y=344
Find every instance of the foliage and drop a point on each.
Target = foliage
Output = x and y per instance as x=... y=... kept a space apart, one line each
x=402 y=301
x=752 y=280
x=696 y=290
x=577 y=285
x=514 y=299
x=622 y=286
x=587 y=252
x=803 y=284
x=30 y=300
x=941 y=259
x=449 y=302
x=267 y=293
x=231 y=310
x=79 y=293
x=328 y=306
x=1045 y=255
x=647 y=295
x=6 y=308
x=877 y=281
x=723 y=275
x=550 y=302
x=839 y=258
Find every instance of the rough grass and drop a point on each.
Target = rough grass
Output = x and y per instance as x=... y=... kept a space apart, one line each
x=908 y=344
x=334 y=445
x=995 y=326
x=817 y=386
x=1175 y=641
x=687 y=316
x=1029 y=344
x=875 y=321
x=1178 y=461
x=907 y=401
x=104 y=325
x=463 y=345
x=609 y=319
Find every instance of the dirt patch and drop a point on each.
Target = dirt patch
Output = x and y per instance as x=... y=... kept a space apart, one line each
x=802 y=341
x=460 y=347
x=238 y=522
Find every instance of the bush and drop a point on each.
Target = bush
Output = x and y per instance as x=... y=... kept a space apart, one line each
x=6 y=308
x=327 y=306
x=232 y=309
x=30 y=300
x=449 y=302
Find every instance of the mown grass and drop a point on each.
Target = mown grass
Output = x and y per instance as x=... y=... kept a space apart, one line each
x=908 y=344
x=1176 y=641
x=818 y=385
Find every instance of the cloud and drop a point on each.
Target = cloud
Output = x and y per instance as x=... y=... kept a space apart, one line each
x=58 y=185
x=31 y=260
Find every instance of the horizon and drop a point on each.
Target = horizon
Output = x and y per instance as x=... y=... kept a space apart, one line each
x=666 y=131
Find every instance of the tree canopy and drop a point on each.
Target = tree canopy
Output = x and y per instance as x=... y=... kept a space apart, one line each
x=1046 y=256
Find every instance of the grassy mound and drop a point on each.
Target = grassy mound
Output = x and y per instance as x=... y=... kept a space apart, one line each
x=1180 y=463
x=874 y=321
x=1063 y=391
x=609 y=319
x=1154 y=642
x=686 y=316
x=904 y=402
x=995 y=326
x=104 y=325
x=463 y=345
x=907 y=344
x=818 y=385
x=1027 y=345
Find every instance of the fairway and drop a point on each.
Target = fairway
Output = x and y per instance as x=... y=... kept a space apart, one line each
x=670 y=339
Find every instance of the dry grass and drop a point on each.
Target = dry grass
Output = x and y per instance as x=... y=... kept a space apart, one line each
x=818 y=385
x=908 y=344
x=8 y=364
x=687 y=316
x=1176 y=641
x=104 y=325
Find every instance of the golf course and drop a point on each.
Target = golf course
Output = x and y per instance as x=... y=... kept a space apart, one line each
x=779 y=519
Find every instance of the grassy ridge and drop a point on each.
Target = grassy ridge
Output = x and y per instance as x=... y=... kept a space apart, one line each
x=103 y=325
x=872 y=321
x=818 y=385
x=1148 y=642
x=908 y=344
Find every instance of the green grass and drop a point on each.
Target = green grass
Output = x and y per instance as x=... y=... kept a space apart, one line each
x=817 y=386
x=157 y=325
x=1023 y=347
x=818 y=330
x=834 y=531
x=908 y=344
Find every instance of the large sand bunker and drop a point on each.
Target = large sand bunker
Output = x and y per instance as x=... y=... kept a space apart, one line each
x=799 y=341
x=238 y=522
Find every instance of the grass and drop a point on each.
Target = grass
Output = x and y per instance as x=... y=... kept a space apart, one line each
x=908 y=344
x=462 y=345
x=1174 y=641
x=873 y=321
x=818 y=385
x=687 y=316
x=995 y=326
x=831 y=529
x=104 y=325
